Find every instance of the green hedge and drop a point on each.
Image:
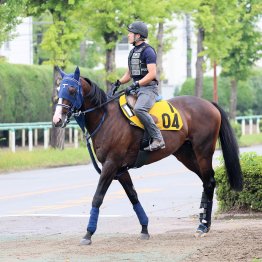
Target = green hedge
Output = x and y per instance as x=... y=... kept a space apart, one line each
x=26 y=91
x=251 y=196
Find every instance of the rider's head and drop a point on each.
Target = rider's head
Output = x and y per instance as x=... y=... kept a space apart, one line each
x=139 y=32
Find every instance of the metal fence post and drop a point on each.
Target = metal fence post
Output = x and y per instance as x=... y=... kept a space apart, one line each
x=12 y=140
x=250 y=126
x=70 y=135
x=23 y=137
x=76 y=137
x=30 y=139
x=46 y=138
x=36 y=137
x=243 y=127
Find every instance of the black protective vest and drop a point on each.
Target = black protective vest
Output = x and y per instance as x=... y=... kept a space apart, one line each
x=137 y=68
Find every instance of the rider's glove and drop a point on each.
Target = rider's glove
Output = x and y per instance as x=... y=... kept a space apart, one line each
x=114 y=87
x=132 y=87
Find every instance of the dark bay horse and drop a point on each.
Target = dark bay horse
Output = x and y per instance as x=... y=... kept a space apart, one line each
x=116 y=144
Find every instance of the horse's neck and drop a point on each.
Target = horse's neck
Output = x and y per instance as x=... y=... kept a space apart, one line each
x=93 y=118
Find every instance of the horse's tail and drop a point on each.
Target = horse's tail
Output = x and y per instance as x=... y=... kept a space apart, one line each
x=230 y=151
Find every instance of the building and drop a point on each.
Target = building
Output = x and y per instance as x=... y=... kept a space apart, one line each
x=19 y=50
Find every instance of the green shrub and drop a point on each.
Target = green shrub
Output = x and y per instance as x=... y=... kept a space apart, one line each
x=26 y=91
x=251 y=196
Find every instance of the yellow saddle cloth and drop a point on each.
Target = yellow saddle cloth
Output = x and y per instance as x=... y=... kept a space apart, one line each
x=164 y=114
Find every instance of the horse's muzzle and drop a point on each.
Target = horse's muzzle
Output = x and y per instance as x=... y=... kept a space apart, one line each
x=59 y=120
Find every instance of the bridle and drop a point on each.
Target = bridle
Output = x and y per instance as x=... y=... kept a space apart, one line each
x=73 y=108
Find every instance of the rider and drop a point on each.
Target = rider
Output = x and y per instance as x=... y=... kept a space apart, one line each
x=142 y=70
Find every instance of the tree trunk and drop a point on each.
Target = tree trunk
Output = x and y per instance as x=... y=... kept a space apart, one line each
x=160 y=35
x=110 y=65
x=215 y=92
x=199 y=63
x=233 y=99
x=82 y=53
x=57 y=133
x=188 y=47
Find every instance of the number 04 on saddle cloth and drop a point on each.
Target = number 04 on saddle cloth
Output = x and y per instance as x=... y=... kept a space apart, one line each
x=164 y=114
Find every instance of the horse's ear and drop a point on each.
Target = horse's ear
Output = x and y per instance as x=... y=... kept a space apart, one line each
x=77 y=74
x=62 y=73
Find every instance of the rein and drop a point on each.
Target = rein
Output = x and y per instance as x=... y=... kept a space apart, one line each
x=79 y=117
x=89 y=148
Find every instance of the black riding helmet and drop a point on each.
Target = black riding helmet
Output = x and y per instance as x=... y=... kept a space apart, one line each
x=138 y=27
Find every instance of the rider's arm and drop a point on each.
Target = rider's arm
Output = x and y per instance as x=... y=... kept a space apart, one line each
x=125 y=78
x=151 y=75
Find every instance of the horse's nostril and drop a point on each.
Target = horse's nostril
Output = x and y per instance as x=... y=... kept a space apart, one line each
x=57 y=123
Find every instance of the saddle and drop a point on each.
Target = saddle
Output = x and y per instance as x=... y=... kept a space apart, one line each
x=164 y=114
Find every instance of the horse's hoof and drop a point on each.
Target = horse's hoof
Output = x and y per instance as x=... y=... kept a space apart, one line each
x=85 y=242
x=144 y=236
x=201 y=231
x=199 y=234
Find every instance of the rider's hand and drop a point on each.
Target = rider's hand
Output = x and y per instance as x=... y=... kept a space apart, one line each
x=132 y=87
x=114 y=87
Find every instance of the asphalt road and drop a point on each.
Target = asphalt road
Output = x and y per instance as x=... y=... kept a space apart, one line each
x=165 y=188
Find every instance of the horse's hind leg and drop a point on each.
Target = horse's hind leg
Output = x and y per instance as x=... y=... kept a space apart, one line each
x=126 y=182
x=204 y=159
x=209 y=183
x=202 y=166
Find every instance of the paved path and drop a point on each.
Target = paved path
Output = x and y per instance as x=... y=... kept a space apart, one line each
x=165 y=188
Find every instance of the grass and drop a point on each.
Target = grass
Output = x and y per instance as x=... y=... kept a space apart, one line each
x=251 y=140
x=40 y=158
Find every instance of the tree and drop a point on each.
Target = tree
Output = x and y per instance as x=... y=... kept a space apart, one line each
x=160 y=28
x=62 y=35
x=245 y=51
x=216 y=22
x=193 y=9
x=188 y=46
x=199 y=63
x=107 y=22
x=11 y=12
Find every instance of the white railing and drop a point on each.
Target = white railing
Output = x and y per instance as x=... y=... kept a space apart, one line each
x=32 y=132
x=249 y=124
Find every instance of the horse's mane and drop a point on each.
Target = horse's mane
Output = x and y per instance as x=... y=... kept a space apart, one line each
x=97 y=95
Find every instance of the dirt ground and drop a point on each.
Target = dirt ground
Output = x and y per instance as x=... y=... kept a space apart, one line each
x=57 y=239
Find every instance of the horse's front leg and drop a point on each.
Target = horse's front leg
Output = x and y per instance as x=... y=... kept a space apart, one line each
x=128 y=186
x=107 y=175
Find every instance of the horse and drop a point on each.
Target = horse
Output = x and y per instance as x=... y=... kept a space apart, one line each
x=116 y=144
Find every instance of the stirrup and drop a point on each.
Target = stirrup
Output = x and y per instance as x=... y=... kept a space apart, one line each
x=160 y=146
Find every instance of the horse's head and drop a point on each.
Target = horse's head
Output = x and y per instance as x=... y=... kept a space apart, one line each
x=70 y=97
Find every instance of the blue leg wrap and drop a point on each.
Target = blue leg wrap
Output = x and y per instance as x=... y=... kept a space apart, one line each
x=143 y=219
x=93 y=220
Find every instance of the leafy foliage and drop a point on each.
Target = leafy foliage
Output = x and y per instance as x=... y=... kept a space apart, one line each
x=251 y=196
x=26 y=91
x=63 y=33
x=249 y=94
x=11 y=12
x=246 y=50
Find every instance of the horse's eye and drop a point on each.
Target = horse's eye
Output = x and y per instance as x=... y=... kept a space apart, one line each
x=72 y=91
